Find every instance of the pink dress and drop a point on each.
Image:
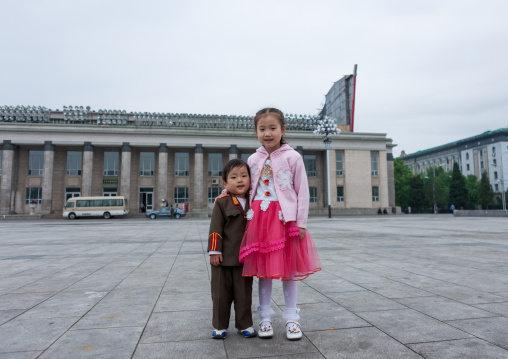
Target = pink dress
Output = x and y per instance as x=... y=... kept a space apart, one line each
x=271 y=248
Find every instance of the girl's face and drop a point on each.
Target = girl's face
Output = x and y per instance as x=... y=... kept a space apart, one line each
x=269 y=132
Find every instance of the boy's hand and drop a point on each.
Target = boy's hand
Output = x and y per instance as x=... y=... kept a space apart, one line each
x=216 y=259
x=303 y=233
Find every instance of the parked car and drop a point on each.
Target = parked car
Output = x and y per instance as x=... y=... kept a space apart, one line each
x=165 y=212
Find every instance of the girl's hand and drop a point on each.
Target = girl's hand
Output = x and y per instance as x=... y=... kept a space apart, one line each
x=303 y=233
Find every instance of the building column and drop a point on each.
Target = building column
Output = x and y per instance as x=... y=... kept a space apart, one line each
x=6 y=184
x=125 y=179
x=47 y=177
x=391 y=178
x=197 y=206
x=233 y=152
x=86 y=178
x=162 y=188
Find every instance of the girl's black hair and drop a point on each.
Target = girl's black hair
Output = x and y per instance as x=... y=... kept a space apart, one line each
x=271 y=111
x=234 y=163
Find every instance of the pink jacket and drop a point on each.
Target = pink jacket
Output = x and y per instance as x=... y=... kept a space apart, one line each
x=290 y=180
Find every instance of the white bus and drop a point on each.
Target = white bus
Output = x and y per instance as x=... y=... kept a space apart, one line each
x=105 y=207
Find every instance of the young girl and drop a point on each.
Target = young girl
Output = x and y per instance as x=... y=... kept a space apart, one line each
x=276 y=243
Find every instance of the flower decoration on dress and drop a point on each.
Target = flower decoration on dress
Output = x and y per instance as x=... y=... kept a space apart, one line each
x=281 y=217
x=264 y=205
x=267 y=193
x=267 y=170
x=284 y=178
x=266 y=182
x=250 y=214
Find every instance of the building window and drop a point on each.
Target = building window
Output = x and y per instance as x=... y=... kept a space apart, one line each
x=495 y=174
x=110 y=192
x=467 y=167
x=313 y=194
x=339 y=161
x=215 y=164
x=494 y=152
x=1 y=157
x=110 y=164
x=373 y=164
x=467 y=155
x=340 y=194
x=33 y=194
x=35 y=163
x=213 y=192
x=74 y=163
x=481 y=153
x=310 y=165
x=72 y=192
x=245 y=156
x=481 y=164
x=497 y=187
x=181 y=163
x=375 y=194
x=146 y=163
x=494 y=162
x=181 y=194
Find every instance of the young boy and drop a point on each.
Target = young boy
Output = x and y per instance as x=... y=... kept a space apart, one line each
x=226 y=233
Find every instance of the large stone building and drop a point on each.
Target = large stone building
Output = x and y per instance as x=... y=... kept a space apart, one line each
x=486 y=152
x=49 y=156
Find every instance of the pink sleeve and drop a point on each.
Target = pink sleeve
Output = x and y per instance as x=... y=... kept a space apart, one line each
x=302 y=192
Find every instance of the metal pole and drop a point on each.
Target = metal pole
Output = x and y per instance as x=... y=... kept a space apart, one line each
x=434 y=189
x=353 y=104
x=327 y=144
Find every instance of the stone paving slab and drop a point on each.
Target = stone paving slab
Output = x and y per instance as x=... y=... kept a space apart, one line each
x=444 y=309
x=391 y=287
x=464 y=348
x=410 y=326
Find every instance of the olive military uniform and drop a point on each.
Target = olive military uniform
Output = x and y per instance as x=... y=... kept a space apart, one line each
x=228 y=285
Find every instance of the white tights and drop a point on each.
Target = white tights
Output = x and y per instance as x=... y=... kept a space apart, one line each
x=265 y=296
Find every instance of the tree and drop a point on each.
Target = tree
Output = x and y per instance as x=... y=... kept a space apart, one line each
x=402 y=175
x=443 y=180
x=416 y=195
x=473 y=191
x=458 y=191
x=486 y=192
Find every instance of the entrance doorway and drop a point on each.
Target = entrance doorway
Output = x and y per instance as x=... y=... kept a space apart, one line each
x=146 y=197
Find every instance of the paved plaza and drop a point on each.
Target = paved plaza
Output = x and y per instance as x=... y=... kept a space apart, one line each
x=391 y=287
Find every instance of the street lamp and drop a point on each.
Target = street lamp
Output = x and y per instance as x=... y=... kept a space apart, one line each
x=327 y=126
x=434 y=185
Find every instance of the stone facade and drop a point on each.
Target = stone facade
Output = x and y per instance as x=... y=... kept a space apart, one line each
x=55 y=135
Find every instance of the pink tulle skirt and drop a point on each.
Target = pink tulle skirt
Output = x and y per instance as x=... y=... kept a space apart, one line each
x=272 y=249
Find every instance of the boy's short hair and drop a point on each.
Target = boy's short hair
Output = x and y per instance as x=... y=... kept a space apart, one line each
x=234 y=163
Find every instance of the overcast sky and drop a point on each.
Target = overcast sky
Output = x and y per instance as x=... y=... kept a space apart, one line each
x=429 y=72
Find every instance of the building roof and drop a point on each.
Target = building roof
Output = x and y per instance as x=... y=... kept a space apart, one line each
x=85 y=115
x=486 y=134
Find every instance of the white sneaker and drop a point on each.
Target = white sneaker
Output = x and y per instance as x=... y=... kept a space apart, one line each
x=293 y=330
x=248 y=333
x=219 y=334
x=265 y=329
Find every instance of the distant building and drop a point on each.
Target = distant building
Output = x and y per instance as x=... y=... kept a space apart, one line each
x=484 y=152
x=48 y=156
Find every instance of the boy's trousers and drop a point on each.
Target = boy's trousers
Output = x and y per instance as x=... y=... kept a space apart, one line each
x=229 y=286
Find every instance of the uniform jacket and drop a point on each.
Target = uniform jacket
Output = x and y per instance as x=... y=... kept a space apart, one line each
x=227 y=228
x=290 y=179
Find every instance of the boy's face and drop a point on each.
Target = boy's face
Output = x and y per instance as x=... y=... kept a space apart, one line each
x=238 y=181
